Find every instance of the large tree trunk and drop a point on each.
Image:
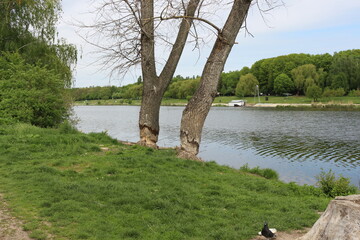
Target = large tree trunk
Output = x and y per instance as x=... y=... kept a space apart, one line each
x=196 y=111
x=154 y=86
x=341 y=220
x=148 y=120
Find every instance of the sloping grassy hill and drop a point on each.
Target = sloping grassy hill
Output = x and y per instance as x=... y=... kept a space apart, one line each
x=69 y=185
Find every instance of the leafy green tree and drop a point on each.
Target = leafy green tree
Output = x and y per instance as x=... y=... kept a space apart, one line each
x=345 y=70
x=247 y=85
x=35 y=66
x=314 y=92
x=228 y=81
x=283 y=84
x=29 y=27
x=304 y=76
x=139 y=80
x=134 y=91
x=266 y=70
x=30 y=93
x=339 y=80
x=182 y=89
x=323 y=61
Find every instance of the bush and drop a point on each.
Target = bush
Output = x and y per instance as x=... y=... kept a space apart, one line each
x=314 y=92
x=266 y=172
x=354 y=93
x=339 y=92
x=333 y=187
x=30 y=93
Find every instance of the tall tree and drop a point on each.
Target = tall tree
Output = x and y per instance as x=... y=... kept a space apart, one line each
x=283 y=84
x=196 y=110
x=246 y=85
x=132 y=28
x=155 y=86
x=29 y=27
x=36 y=66
x=304 y=76
x=346 y=66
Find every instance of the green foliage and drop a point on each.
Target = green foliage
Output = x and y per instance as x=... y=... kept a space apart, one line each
x=65 y=186
x=182 y=89
x=304 y=76
x=328 y=92
x=31 y=94
x=283 y=84
x=246 y=85
x=228 y=81
x=266 y=70
x=354 y=93
x=332 y=186
x=345 y=70
x=339 y=81
x=314 y=92
x=19 y=16
x=266 y=172
x=29 y=28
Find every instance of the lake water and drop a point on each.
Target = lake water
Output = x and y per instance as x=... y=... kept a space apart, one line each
x=297 y=144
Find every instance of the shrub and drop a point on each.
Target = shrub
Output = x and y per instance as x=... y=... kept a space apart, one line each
x=30 y=93
x=332 y=186
x=339 y=92
x=354 y=93
x=265 y=172
x=314 y=92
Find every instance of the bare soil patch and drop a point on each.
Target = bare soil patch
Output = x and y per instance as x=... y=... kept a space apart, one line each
x=10 y=227
x=291 y=235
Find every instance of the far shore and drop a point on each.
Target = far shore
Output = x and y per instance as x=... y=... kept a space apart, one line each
x=277 y=102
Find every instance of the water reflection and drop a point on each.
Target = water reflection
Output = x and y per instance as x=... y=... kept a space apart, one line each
x=295 y=143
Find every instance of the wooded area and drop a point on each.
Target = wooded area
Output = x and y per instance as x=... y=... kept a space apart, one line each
x=336 y=75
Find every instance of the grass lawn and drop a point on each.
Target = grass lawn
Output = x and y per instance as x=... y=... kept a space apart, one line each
x=67 y=185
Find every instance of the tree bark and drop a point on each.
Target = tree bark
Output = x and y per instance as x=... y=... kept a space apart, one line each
x=196 y=111
x=155 y=86
x=341 y=220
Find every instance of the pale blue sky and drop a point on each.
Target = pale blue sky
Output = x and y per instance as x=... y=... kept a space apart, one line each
x=302 y=26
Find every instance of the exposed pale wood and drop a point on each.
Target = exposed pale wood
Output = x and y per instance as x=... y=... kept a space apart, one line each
x=340 y=221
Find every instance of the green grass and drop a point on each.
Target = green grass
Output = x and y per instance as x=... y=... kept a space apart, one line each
x=61 y=184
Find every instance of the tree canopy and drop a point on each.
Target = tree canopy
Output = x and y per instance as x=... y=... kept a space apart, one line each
x=36 y=67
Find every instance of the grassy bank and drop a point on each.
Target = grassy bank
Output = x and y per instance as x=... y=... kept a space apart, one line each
x=334 y=101
x=68 y=185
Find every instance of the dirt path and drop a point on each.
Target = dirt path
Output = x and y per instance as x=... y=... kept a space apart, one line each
x=293 y=235
x=10 y=227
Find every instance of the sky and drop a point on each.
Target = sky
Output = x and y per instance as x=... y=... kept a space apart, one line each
x=300 y=26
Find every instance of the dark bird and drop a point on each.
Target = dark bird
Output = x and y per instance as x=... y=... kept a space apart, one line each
x=266 y=232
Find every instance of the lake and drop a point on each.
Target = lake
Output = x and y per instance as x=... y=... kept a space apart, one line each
x=297 y=144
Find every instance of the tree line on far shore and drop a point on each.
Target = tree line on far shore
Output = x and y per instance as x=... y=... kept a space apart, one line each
x=296 y=74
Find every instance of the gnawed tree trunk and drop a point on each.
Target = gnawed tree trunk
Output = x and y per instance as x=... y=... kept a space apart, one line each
x=155 y=86
x=196 y=111
x=341 y=220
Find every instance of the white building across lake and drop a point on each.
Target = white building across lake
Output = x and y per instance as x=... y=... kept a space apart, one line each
x=236 y=103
